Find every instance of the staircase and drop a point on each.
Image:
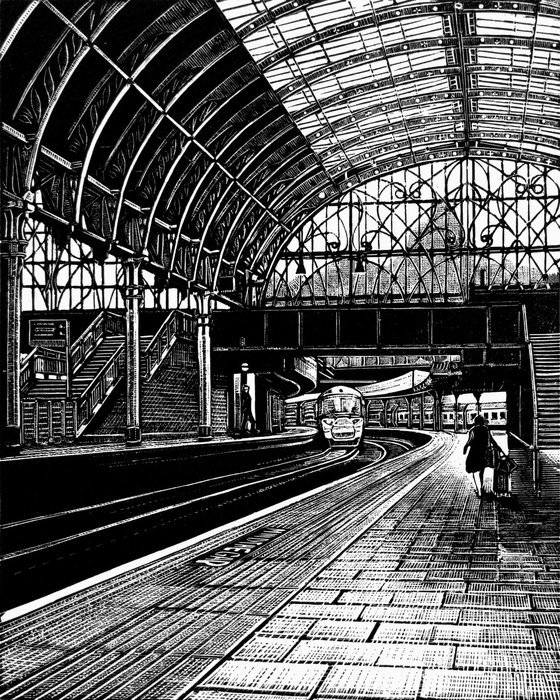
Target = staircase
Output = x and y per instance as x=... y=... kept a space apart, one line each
x=56 y=388
x=546 y=358
x=98 y=366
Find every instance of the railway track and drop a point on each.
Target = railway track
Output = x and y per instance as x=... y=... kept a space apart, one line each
x=107 y=664
x=47 y=552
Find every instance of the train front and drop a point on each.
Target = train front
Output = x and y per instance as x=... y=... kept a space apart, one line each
x=341 y=416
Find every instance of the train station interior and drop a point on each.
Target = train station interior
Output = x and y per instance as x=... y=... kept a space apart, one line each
x=269 y=270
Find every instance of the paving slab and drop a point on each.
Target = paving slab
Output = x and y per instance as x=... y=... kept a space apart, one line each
x=396 y=582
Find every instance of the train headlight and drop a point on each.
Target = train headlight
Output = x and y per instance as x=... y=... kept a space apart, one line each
x=328 y=422
x=356 y=420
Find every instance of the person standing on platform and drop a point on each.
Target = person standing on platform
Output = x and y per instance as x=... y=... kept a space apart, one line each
x=479 y=442
x=247 y=411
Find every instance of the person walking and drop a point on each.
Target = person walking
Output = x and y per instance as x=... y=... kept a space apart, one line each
x=247 y=411
x=479 y=441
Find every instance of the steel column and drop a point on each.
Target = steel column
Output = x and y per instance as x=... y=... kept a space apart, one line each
x=203 y=345
x=133 y=295
x=12 y=253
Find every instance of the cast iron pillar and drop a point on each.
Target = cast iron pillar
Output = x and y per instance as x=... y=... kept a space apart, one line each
x=203 y=347
x=455 y=412
x=421 y=413
x=438 y=425
x=477 y=395
x=12 y=253
x=409 y=411
x=133 y=296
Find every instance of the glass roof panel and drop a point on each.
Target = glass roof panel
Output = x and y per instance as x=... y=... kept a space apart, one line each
x=496 y=23
x=403 y=72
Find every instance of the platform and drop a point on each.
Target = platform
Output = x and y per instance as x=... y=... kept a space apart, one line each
x=395 y=582
x=223 y=443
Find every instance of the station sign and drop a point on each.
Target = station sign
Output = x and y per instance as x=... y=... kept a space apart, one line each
x=417 y=380
x=49 y=333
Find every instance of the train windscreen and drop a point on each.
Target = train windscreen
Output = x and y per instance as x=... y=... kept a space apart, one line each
x=332 y=405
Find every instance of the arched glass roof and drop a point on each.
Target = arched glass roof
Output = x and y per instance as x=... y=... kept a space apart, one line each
x=201 y=134
x=376 y=84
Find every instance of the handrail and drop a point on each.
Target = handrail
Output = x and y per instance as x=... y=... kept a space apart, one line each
x=27 y=371
x=535 y=446
x=520 y=440
x=176 y=324
x=97 y=389
x=115 y=323
x=86 y=342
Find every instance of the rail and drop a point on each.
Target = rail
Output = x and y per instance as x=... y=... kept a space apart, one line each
x=178 y=324
x=535 y=446
x=41 y=361
x=27 y=372
x=83 y=346
x=47 y=361
x=98 y=389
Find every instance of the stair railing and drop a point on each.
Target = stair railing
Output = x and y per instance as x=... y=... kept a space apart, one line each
x=83 y=346
x=27 y=372
x=535 y=446
x=99 y=388
x=41 y=361
x=177 y=324
x=105 y=323
x=115 y=324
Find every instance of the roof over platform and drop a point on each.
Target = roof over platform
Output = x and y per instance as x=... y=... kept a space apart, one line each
x=200 y=134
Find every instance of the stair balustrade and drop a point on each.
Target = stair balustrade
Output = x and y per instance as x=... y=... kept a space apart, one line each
x=105 y=323
x=41 y=361
x=99 y=388
x=535 y=446
x=27 y=374
x=177 y=325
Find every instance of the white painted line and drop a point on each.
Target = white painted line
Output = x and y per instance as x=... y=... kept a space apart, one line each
x=26 y=608
x=164 y=509
x=104 y=504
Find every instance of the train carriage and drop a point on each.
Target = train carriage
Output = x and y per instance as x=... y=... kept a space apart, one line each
x=340 y=414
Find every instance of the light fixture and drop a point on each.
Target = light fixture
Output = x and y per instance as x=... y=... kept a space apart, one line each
x=300 y=270
x=359 y=269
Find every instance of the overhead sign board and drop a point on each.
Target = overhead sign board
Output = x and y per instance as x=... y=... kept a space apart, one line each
x=411 y=381
x=48 y=333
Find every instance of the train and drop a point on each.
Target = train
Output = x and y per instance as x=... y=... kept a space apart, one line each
x=338 y=413
x=394 y=413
